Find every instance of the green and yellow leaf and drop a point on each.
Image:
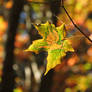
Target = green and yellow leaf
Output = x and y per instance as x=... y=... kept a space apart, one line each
x=53 y=42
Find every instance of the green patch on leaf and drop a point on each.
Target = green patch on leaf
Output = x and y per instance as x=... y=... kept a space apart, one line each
x=37 y=46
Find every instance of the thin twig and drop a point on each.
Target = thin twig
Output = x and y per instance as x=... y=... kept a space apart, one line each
x=36 y=2
x=73 y=22
x=45 y=2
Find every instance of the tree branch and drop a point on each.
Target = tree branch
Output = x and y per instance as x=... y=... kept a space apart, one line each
x=73 y=21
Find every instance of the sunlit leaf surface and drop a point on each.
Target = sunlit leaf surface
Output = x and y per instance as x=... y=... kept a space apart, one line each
x=53 y=42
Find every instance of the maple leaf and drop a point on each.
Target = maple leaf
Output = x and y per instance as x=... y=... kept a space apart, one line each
x=53 y=42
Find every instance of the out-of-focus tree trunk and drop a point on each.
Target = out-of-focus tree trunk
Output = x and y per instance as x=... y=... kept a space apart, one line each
x=47 y=80
x=7 y=83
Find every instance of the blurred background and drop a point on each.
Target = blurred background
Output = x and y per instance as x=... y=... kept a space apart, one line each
x=24 y=71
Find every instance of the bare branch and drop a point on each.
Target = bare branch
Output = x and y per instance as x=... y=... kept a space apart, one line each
x=74 y=23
